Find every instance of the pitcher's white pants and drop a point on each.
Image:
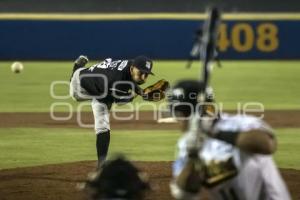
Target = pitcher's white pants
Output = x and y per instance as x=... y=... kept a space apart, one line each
x=100 y=110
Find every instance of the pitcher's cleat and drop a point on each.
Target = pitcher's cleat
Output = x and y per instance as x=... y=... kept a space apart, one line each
x=81 y=61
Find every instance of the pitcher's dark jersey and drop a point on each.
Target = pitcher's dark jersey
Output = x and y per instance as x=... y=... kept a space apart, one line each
x=109 y=81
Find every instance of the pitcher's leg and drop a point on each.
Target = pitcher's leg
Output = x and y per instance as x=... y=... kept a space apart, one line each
x=102 y=128
x=102 y=145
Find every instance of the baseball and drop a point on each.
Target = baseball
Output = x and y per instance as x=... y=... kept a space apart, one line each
x=17 y=67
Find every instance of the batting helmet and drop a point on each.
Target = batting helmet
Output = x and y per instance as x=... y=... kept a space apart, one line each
x=185 y=99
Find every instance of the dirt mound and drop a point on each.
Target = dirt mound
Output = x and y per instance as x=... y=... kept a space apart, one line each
x=59 y=181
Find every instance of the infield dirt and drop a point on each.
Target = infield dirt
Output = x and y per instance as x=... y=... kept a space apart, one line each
x=138 y=120
x=60 y=181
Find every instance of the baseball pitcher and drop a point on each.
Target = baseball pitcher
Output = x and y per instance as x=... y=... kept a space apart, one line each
x=108 y=82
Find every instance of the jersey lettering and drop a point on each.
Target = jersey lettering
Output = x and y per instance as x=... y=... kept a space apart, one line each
x=114 y=64
x=122 y=65
x=108 y=64
x=103 y=65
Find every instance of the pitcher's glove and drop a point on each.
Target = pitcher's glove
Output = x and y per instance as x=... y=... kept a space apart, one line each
x=156 y=92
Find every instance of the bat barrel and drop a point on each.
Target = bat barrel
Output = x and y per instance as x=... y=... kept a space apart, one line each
x=209 y=39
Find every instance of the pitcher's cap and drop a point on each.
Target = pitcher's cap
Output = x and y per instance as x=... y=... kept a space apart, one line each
x=144 y=64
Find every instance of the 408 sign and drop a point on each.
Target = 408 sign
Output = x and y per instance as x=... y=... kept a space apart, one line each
x=244 y=37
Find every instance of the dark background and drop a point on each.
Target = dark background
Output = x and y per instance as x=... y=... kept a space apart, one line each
x=61 y=39
x=102 y=6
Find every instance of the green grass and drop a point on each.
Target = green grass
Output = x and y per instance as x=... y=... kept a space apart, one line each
x=288 y=151
x=273 y=83
x=21 y=147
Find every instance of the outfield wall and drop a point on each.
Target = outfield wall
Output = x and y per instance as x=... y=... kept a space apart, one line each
x=160 y=36
x=153 y=6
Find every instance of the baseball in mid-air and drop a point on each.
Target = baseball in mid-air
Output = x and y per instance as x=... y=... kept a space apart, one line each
x=17 y=67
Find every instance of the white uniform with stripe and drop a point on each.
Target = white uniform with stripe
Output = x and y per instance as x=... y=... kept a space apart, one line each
x=258 y=176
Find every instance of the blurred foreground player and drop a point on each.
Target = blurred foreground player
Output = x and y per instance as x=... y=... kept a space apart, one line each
x=118 y=179
x=229 y=155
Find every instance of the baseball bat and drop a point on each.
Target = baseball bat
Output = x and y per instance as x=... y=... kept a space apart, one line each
x=207 y=49
x=209 y=40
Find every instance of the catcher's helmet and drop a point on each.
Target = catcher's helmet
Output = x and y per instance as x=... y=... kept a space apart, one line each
x=118 y=179
x=185 y=97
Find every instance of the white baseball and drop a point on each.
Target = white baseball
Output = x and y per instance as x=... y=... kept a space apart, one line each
x=17 y=67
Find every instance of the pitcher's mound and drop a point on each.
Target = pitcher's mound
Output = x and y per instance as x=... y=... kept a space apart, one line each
x=59 y=181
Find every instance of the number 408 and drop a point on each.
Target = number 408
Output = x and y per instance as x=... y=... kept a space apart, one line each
x=243 y=37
